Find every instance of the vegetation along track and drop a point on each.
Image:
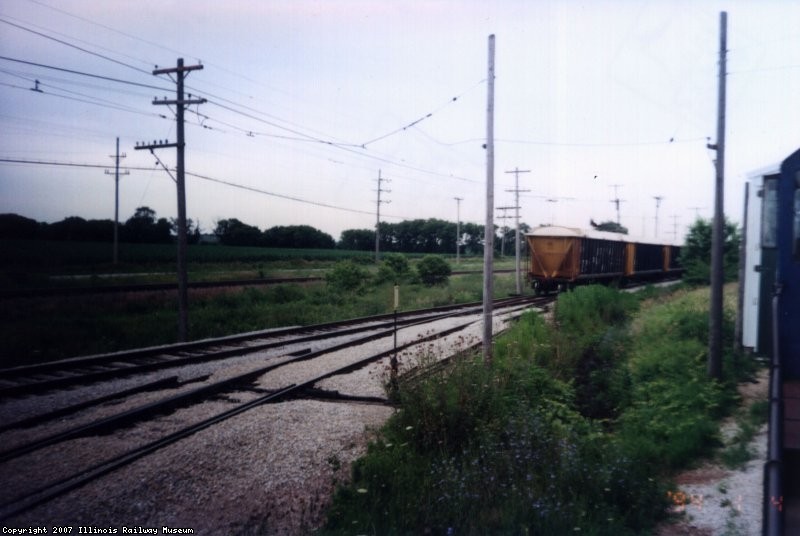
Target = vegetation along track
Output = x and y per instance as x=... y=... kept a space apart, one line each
x=44 y=436
x=160 y=287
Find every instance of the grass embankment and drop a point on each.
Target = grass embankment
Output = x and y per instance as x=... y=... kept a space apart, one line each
x=575 y=426
x=39 y=329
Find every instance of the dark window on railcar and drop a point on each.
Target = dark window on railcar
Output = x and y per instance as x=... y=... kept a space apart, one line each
x=648 y=257
x=769 y=213
x=601 y=256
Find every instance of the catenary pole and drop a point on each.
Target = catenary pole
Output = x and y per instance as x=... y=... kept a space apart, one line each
x=380 y=179
x=517 y=191
x=458 y=228
x=488 y=235
x=715 y=315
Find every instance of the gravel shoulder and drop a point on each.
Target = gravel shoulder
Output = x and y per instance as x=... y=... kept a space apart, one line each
x=713 y=500
x=270 y=470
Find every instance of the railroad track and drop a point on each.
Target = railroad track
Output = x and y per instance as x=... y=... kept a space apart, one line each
x=33 y=497
x=30 y=379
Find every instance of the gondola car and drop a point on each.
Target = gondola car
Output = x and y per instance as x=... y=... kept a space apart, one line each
x=562 y=257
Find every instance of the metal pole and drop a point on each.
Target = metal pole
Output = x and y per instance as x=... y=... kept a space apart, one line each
x=488 y=242
x=517 y=191
x=717 y=272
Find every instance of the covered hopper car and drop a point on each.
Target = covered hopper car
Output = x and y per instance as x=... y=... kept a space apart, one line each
x=562 y=257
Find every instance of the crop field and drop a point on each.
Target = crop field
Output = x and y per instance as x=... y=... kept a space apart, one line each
x=54 y=327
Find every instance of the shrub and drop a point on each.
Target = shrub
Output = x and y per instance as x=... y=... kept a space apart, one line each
x=393 y=269
x=347 y=276
x=433 y=270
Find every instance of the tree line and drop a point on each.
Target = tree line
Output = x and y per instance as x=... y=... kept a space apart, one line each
x=144 y=226
x=428 y=236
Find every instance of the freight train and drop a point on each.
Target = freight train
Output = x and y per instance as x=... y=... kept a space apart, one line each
x=563 y=257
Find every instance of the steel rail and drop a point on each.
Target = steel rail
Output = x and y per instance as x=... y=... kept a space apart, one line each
x=200 y=344
x=133 y=415
x=64 y=485
x=163 y=352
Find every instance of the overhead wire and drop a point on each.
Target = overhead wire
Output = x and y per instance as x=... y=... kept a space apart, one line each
x=82 y=73
x=61 y=41
x=302 y=136
x=423 y=118
x=26 y=161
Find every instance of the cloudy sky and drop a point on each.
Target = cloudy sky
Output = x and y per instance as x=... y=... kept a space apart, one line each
x=308 y=101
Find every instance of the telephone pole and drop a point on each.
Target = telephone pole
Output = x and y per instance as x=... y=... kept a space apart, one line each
x=616 y=199
x=180 y=145
x=517 y=191
x=715 y=316
x=658 y=199
x=503 y=230
x=117 y=173
x=675 y=218
x=458 y=228
x=488 y=234
x=378 y=216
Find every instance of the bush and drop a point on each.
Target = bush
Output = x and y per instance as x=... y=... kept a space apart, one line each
x=393 y=269
x=347 y=276
x=496 y=449
x=433 y=270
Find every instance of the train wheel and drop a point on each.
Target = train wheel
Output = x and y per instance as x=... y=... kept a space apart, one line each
x=537 y=288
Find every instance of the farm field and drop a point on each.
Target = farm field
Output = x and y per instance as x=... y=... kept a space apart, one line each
x=41 y=264
x=47 y=328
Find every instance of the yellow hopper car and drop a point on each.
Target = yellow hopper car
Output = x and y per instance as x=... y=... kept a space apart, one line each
x=562 y=257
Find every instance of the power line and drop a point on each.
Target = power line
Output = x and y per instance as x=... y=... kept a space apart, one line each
x=198 y=176
x=349 y=147
x=65 y=43
x=96 y=101
x=81 y=73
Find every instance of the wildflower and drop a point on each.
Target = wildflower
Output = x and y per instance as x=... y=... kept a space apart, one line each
x=409 y=427
x=362 y=490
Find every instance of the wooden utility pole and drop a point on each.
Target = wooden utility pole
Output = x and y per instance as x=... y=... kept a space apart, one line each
x=458 y=228
x=658 y=199
x=117 y=173
x=617 y=201
x=517 y=191
x=717 y=237
x=378 y=217
x=503 y=229
x=488 y=235
x=180 y=103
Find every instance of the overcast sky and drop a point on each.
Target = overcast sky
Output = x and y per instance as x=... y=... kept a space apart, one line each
x=310 y=100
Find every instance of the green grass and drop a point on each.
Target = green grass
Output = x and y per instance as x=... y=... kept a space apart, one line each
x=518 y=446
x=40 y=329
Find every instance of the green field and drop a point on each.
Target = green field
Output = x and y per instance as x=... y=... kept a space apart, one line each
x=31 y=263
x=46 y=328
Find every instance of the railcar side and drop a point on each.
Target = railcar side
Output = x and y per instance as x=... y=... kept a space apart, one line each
x=562 y=257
